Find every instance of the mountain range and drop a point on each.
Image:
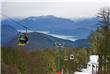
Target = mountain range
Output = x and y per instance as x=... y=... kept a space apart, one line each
x=79 y=29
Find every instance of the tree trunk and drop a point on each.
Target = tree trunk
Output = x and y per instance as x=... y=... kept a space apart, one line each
x=100 y=64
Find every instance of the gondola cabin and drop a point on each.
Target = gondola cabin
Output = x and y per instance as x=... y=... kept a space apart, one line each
x=22 y=39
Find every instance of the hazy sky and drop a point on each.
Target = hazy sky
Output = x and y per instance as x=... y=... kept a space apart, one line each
x=53 y=0
x=60 y=9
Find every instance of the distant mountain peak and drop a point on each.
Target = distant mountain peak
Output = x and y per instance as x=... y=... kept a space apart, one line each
x=52 y=16
x=43 y=16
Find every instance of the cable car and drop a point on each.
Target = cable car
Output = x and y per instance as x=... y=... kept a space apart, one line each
x=71 y=57
x=65 y=58
x=22 y=39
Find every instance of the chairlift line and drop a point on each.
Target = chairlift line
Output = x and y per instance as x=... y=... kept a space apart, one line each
x=15 y=21
x=23 y=38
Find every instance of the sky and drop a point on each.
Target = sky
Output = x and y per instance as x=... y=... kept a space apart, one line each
x=60 y=9
x=52 y=0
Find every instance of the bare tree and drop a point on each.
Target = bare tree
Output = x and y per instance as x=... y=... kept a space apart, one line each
x=104 y=18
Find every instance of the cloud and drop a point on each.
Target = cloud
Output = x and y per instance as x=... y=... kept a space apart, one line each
x=66 y=37
x=44 y=32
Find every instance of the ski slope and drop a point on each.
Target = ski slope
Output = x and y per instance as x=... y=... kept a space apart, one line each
x=93 y=61
x=81 y=73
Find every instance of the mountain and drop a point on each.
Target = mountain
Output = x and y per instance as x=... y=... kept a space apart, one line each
x=36 y=40
x=7 y=34
x=79 y=28
x=82 y=43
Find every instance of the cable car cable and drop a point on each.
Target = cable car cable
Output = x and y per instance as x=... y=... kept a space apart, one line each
x=15 y=21
x=23 y=39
